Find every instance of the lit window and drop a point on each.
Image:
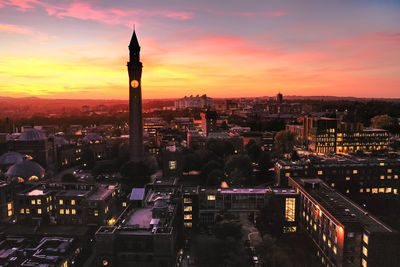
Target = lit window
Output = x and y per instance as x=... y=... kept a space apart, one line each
x=334 y=249
x=347 y=178
x=73 y=211
x=396 y=176
x=367 y=190
x=381 y=190
x=22 y=211
x=33 y=201
x=374 y=190
x=382 y=164
x=289 y=229
x=388 y=190
x=187 y=200
x=333 y=184
x=39 y=201
x=123 y=204
x=27 y=211
x=365 y=239
x=382 y=177
x=355 y=171
x=211 y=197
x=347 y=191
x=188 y=208
x=72 y=201
x=61 y=211
x=287 y=174
x=389 y=170
x=320 y=172
x=188 y=224
x=363 y=263
x=172 y=164
x=96 y=213
x=187 y=216
x=60 y=202
x=365 y=251
x=39 y=211
x=290 y=209
x=361 y=190
x=395 y=191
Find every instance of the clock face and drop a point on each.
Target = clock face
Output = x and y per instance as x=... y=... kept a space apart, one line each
x=134 y=83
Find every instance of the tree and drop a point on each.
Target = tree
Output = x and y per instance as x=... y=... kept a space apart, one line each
x=228 y=228
x=69 y=178
x=284 y=142
x=214 y=177
x=239 y=169
x=136 y=174
x=253 y=150
x=270 y=219
x=382 y=121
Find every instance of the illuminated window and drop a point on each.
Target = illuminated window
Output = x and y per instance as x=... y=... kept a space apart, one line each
x=347 y=178
x=388 y=190
x=334 y=249
x=367 y=190
x=365 y=239
x=187 y=200
x=365 y=251
x=289 y=229
x=39 y=211
x=96 y=213
x=290 y=209
x=211 y=197
x=396 y=176
x=320 y=172
x=61 y=211
x=381 y=190
x=188 y=224
x=27 y=211
x=172 y=164
x=389 y=170
x=363 y=263
x=72 y=201
x=39 y=201
x=382 y=164
x=382 y=177
x=188 y=208
x=374 y=190
x=361 y=190
x=33 y=201
x=73 y=211
x=347 y=191
x=324 y=237
x=333 y=184
x=355 y=171
x=395 y=191
x=187 y=216
x=60 y=202
x=287 y=174
x=22 y=211
x=123 y=204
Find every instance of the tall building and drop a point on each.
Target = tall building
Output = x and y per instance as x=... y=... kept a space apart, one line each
x=135 y=101
x=344 y=234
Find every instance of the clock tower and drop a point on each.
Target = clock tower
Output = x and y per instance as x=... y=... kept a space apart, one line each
x=135 y=101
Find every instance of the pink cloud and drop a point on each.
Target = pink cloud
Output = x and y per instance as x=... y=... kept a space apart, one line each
x=86 y=11
x=266 y=14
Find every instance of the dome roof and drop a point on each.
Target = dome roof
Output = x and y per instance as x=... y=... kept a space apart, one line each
x=11 y=158
x=93 y=137
x=26 y=170
x=32 y=135
x=60 y=141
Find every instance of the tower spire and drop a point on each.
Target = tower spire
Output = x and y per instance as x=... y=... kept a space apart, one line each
x=134 y=41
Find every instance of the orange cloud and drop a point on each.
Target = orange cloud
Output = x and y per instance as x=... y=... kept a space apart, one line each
x=15 y=29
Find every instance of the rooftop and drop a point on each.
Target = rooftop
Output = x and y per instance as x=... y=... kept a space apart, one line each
x=341 y=208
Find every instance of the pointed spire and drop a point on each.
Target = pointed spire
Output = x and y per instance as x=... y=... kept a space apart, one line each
x=134 y=41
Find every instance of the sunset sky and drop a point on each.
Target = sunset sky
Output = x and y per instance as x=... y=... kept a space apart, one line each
x=224 y=48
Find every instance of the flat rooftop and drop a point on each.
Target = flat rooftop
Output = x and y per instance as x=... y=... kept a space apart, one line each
x=340 y=207
x=102 y=192
x=140 y=218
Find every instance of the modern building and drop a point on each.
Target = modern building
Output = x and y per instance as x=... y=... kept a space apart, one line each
x=146 y=235
x=329 y=135
x=344 y=234
x=209 y=122
x=194 y=102
x=348 y=174
x=6 y=201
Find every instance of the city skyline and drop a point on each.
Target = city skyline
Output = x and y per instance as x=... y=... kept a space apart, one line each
x=78 y=49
